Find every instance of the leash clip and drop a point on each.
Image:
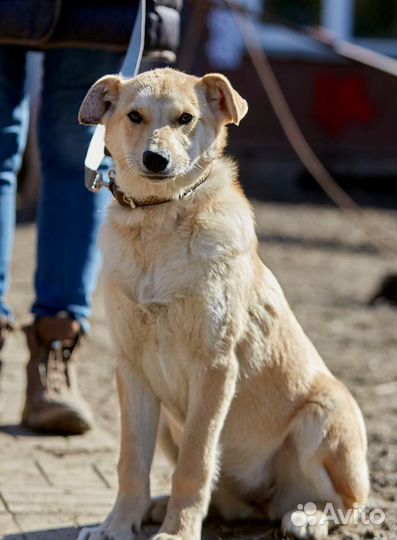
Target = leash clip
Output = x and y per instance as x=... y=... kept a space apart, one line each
x=95 y=180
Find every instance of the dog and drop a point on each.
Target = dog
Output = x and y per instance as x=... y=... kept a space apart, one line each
x=210 y=359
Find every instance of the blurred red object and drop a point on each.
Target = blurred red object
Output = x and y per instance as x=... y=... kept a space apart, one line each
x=342 y=101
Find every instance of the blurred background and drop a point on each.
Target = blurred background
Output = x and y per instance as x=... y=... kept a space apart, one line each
x=345 y=108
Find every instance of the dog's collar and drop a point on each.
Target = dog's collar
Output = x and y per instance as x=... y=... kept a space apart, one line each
x=129 y=202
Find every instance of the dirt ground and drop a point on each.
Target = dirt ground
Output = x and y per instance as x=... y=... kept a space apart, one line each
x=328 y=270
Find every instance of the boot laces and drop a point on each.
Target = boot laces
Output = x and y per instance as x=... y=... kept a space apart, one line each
x=55 y=374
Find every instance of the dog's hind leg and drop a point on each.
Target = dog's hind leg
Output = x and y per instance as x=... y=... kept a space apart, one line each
x=329 y=439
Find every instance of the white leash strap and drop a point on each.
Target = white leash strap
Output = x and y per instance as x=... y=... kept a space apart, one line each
x=96 y=151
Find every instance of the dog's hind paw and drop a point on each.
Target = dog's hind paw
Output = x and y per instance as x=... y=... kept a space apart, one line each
x=299 y=525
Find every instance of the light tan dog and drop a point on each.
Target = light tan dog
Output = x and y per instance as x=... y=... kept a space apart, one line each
x=253 y=420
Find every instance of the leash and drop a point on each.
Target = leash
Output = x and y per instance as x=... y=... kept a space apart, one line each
x=94 y=179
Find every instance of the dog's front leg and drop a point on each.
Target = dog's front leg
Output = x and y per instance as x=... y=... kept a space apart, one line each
x=211 y=389
x=139 y=423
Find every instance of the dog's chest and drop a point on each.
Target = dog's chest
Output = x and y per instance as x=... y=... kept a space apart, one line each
x=167 y=370
x=173 y=302
x=152 y=269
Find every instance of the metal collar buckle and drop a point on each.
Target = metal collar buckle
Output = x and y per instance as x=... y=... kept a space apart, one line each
x=129 y=200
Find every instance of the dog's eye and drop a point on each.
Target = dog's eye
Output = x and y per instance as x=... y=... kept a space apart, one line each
x=135 y=117
x=185 y=118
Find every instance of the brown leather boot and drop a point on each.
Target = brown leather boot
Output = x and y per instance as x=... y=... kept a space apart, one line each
x=53 y=402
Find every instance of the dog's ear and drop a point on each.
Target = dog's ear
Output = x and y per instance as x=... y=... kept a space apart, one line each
x=223 y=99
x=99 y=99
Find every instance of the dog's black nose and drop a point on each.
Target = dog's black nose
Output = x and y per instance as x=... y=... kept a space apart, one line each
x=156 y=161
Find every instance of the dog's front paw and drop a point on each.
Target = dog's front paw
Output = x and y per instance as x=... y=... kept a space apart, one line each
x=121 y=524
x=299 y=525
x=165 y=536
x=108 y=531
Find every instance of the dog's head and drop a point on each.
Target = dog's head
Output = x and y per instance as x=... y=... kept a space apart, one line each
x=163 y=126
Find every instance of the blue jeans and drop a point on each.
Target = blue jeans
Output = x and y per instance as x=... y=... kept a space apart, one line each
x=69 y=216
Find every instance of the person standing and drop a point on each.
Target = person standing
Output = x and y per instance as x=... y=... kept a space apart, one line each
x=81 y=41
